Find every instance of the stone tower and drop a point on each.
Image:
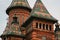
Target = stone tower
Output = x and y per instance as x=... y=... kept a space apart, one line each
x=18 y=13
x=25 y=24
x=40 y=25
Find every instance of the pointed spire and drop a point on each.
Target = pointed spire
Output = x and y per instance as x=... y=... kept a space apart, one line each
x=40 y=11
x=18 y=4
x=39 y=6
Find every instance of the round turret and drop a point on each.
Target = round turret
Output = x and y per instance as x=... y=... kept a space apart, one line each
x=18 y=4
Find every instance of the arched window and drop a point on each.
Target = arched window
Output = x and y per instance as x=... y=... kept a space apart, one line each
x=15 y=19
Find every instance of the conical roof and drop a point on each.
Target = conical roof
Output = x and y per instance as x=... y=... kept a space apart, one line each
x=18 y=4
x=40 y=11
x=12 y=31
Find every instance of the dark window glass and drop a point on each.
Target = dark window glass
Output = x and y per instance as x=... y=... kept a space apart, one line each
x=15 y=19
x=43 y=26
x=36 y=25
x=46 y=27
x=50 y=27
x=40 y=25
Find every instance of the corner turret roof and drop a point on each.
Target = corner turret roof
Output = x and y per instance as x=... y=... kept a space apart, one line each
x=12 y=31
x=18 y=4
x=40 y=11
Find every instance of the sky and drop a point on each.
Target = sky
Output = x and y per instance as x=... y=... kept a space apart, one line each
x=53 y=6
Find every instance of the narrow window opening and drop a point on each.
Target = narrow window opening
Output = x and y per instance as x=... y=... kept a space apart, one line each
x=15 y=19
x=40 y=25
x=50 y=28
x=46 y=27
x=43 y=26
x=36 y=25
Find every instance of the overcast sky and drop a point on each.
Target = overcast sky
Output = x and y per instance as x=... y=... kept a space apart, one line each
x=53 y=6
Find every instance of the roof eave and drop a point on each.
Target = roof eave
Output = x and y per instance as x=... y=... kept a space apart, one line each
x=12 y=35
x=13 y=7
x=40 y=18
x=32 y=17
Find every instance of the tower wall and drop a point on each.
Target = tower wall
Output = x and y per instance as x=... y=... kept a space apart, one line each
x=39 y=34
x=21 y=14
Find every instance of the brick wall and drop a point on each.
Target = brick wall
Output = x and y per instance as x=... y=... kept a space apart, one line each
x=37 y=33
x=22 y=15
